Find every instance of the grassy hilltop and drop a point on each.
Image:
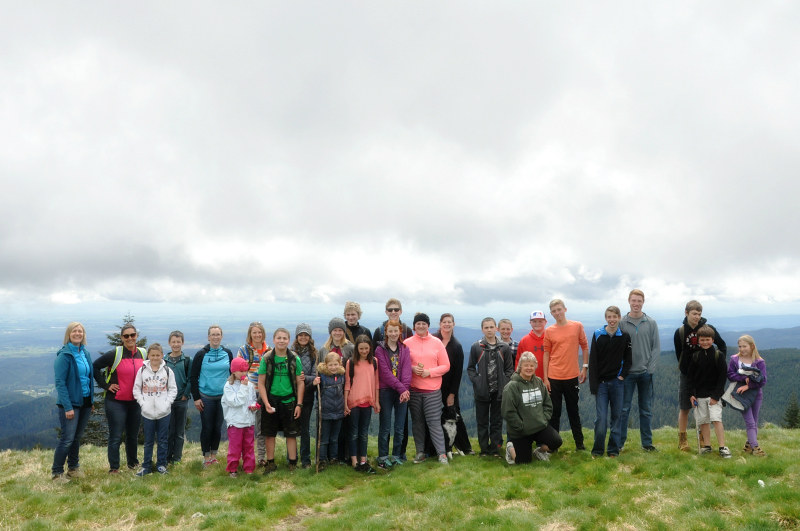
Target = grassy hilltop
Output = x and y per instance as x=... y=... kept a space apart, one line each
x=666 y=490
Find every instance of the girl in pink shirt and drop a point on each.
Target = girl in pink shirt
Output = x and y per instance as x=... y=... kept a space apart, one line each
x=361 y=390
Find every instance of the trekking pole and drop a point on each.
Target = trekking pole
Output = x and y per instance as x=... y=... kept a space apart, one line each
x=319 y=422
x=697 y=429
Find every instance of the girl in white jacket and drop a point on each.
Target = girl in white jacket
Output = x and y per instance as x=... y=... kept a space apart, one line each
x=239 y=407
x=155 y=390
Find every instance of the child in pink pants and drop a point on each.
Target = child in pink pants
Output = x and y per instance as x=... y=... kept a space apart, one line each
x=239 y=407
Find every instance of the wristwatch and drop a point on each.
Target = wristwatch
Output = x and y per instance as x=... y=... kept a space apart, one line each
x=585 y=365
x=300 y=404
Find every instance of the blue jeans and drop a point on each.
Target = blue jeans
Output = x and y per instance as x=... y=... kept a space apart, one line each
x=123 y=415
x=329 y=439
x=390 y=400
x=211 y=420
x=359 y=430
x=643 y=384
x=69 y=441
x=152 y=429
x=177 y=430
x=609 y=393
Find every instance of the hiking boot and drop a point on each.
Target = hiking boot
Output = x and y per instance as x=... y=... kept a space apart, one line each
x=262 y=462
x=747 y=448
x=683 y=442
x=509 y=459
x=292 y=467
x=60 y=478
x=420 y=458
x=541 y=455
x=700 y=439
x=724 y=452
x=270 y=467
x=73 y=473
x=758 y=452
x=443 y=460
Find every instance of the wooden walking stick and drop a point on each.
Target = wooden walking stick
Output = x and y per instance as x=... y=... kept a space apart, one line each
x=319 y=422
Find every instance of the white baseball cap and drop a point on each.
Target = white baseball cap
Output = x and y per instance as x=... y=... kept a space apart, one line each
x=538 y=314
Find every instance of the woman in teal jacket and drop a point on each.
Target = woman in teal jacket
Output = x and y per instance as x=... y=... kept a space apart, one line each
x=75 y=390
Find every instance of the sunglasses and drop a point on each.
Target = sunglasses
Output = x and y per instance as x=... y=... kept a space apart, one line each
x=392 y=309
x=128 y=336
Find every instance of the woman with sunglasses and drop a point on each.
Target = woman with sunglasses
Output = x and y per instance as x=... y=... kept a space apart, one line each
x=115 y=371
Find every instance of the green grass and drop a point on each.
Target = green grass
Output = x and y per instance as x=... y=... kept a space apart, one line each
x=665 y=490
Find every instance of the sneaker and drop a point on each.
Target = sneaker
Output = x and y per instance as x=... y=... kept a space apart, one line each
x=650 y=448
x=366 y=468
x=580 y=448
x=142 y=472
x=133 y=466
x=233 y=475
x=162 y=470
x=420 y=458
x=450 y=455
x=724 y=452
x=509 y=459
x=397 y=461
x=73 y=473
x=213 y=461
x=541 y=455
x=443 y=460
x=484 y=454
x=270 y=467
x=758 y=452
x=306 y=465
x=747 y=448
x=60 y=478
x=113 y=471
x=705 y=450
x=385 y=464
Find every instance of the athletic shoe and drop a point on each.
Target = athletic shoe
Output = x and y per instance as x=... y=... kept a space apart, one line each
x=113 y=471
x=707 y=450
x=162 y=470
x=366 y=468
x=650 y=448
x=724 y=452
x=420 y=458
x=385 y=464
x=142 y=472
x=213 y=461
x=270 y=467
x=484 y=454
x=450 y=455
x=306 y=465
x=541 y=455
x=233 y=474
x=133 y=466
x=206 y=463
x=758 y=452
x=443 y=460
x=397 y=461
x=73 y=473
x=580 y=448
x=509 y=459
x=60 y=478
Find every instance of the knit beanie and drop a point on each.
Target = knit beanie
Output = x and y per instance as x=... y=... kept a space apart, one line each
x=302 y=328
x=239 y=365
x=336 y=322
x=422 y=317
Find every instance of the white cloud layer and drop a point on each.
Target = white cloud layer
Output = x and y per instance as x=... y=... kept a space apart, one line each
x=457 y=152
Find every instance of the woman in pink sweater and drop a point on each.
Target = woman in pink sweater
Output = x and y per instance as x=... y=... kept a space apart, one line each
x=429 y=362
x=361 y=390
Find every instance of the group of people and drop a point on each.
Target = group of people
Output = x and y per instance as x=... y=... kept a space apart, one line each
x=396 y=371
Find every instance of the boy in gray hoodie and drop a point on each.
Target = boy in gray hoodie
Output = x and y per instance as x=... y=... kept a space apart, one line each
x=155 y=391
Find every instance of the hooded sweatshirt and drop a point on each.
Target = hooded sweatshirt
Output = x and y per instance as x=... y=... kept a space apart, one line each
x=690 y=338
x=526 y=406
x=236 y=402
x=331 y=388
x=480 y=354
x=155 y=390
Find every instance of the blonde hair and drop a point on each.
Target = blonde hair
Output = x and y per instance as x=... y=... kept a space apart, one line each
x=351 y=306
x=249 y=339
x=72 y=326
x=636 y=292
x=155 y=346
x=750 y=341
x=556 y=302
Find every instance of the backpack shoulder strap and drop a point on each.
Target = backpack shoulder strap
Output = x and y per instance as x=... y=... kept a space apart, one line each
x=186 y=366
x=117 y=359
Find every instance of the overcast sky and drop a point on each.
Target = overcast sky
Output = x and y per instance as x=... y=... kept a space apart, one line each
x=444 y=152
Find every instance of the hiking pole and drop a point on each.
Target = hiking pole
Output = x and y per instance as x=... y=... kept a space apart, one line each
x=319 y=422
x=697 y=429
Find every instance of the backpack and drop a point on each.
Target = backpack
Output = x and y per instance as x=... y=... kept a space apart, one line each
x=117 y=359
x=291 y=361
x=352 y=367
x=682 y=334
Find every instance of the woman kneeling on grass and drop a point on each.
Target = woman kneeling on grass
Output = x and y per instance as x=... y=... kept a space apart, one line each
x=527 y=409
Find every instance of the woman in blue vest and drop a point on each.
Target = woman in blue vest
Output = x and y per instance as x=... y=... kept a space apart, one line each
x=115 y=371
x=211 y=368
x=75 y=390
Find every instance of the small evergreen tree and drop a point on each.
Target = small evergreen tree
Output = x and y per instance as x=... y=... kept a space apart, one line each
x=115 y=339
x=791 y=418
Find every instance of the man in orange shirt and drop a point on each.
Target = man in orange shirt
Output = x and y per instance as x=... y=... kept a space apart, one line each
x=561 y=374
